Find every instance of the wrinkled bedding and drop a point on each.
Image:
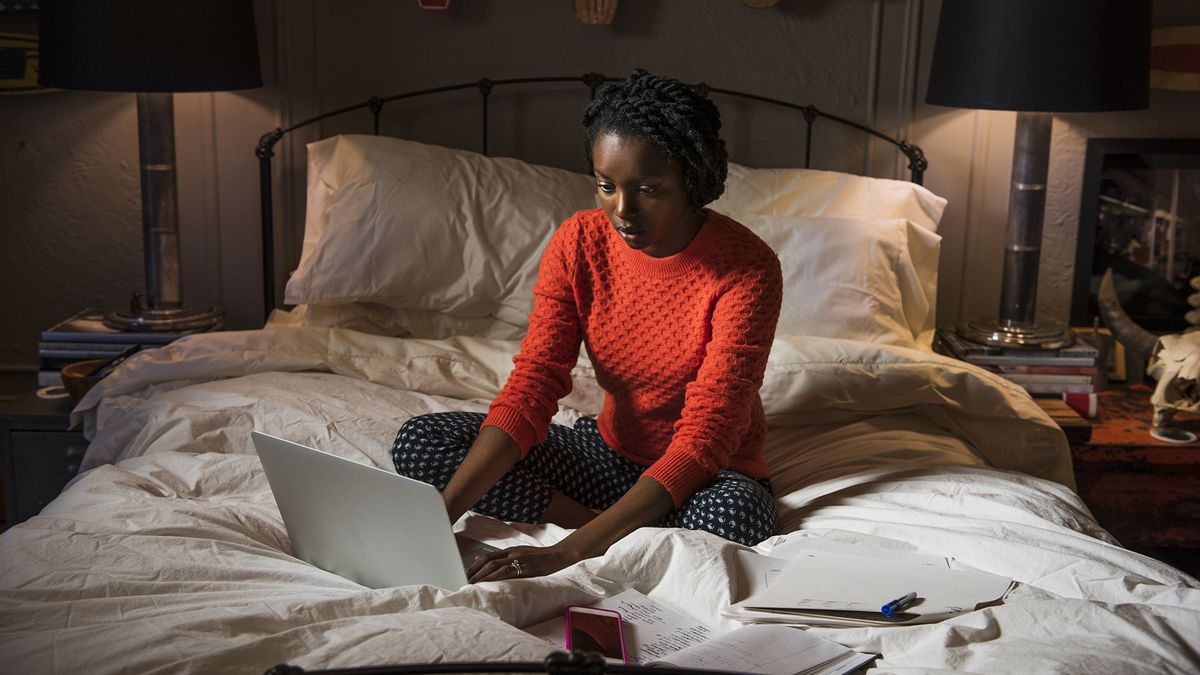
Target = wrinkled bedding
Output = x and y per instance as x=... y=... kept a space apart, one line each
x=169 y=555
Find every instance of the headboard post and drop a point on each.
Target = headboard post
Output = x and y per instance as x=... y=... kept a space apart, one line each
x=265 y=150
x=916 y=161
x=375 y=104
x=810 y=116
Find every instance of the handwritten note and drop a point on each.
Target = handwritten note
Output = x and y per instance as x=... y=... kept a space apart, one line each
x=651 y=630
x=772 y=650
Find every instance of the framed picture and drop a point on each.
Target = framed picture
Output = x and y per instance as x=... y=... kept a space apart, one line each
x=1140 y=215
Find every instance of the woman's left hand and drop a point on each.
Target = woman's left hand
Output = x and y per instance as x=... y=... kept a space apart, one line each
x=520 y=562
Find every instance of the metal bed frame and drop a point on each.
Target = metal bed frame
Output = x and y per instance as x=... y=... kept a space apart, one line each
x=265 y=150
x=576 y=662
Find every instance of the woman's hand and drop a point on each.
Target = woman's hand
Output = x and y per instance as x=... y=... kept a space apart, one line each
x=645 y=503
x=521 y=562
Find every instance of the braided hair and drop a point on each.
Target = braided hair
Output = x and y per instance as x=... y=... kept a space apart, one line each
x=672 y=116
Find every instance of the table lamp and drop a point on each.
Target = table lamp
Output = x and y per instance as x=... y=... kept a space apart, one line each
x=154 y=48
x=1036 y=57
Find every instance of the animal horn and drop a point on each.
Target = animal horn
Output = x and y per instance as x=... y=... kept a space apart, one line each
x=1136 y=339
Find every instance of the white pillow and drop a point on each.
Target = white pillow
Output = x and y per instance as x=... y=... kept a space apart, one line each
x=409 y=239
x=843 y=278
x=430 y=229
x=809 y=192
x=853 y=278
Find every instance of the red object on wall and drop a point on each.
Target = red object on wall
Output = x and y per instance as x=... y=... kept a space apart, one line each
x=433 y=4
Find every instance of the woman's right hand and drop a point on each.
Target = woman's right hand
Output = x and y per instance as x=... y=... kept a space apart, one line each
x=521 y=562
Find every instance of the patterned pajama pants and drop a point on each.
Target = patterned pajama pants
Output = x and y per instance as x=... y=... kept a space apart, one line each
x=577 y=462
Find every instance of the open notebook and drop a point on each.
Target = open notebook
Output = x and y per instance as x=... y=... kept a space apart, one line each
x=848 y=586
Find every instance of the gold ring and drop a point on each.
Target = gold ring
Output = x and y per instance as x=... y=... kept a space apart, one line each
x=516 y=565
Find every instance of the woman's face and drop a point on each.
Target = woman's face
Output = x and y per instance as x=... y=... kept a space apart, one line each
x=644 y=194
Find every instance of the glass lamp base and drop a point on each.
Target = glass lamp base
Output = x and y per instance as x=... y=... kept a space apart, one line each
x=173 y=319
x=1011 y=336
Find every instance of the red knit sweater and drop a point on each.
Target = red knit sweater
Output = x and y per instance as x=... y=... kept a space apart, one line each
x=679 y=345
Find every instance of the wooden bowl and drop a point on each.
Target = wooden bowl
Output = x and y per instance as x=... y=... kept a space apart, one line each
x=77 y=377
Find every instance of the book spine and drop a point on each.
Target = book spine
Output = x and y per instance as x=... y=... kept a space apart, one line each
x=1058 y=388
x=1045 y=370
x=111 y=338
x=113 y=347
x=76 y=355
x=1041 y=378
x=1031 y=361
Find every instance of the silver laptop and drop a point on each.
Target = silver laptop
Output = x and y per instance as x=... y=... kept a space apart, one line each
x=371 y=526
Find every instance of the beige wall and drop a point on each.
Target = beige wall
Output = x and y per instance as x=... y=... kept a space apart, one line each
x=69 y=214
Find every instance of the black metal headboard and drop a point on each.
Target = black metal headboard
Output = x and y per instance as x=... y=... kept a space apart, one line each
x=266 y=145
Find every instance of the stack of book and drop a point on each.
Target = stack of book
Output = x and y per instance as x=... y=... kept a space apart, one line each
x=1048 y=372
x=85 y=336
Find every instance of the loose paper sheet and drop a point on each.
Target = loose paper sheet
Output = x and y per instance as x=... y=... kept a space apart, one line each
x=651 y=630
x=770 y=650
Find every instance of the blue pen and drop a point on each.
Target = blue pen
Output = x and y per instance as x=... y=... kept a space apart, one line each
x=899 y=604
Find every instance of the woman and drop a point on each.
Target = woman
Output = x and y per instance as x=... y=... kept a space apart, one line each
x=677 y=307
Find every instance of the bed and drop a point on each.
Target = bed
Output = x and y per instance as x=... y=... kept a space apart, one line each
x=168 y=554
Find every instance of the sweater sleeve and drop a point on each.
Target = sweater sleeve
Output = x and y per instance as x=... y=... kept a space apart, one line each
x=718 y=403
x=541 y=373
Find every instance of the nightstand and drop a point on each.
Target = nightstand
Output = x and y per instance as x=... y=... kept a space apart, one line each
x=38 y=454
x=1144 y=491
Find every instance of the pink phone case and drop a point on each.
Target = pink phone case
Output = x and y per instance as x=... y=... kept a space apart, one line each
x=595 y=632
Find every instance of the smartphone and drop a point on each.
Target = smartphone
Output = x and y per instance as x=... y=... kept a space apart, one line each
x=596 y=630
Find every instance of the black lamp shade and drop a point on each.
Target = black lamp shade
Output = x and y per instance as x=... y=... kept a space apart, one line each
x=148 y=45
x=1042 y=55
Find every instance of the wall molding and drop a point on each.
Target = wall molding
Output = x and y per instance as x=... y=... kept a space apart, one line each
x=893 y=82
x=296 y=79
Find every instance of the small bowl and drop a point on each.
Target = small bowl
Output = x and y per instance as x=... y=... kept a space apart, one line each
x=77 y=377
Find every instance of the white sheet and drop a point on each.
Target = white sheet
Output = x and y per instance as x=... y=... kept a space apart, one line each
x=808 y=381
x=175 y=560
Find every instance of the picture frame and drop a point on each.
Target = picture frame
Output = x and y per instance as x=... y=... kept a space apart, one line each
x=1139 y=214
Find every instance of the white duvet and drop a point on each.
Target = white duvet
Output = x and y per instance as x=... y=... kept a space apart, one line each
x=169 y=555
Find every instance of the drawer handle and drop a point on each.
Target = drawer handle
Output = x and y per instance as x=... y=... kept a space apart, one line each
x=74 y=452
